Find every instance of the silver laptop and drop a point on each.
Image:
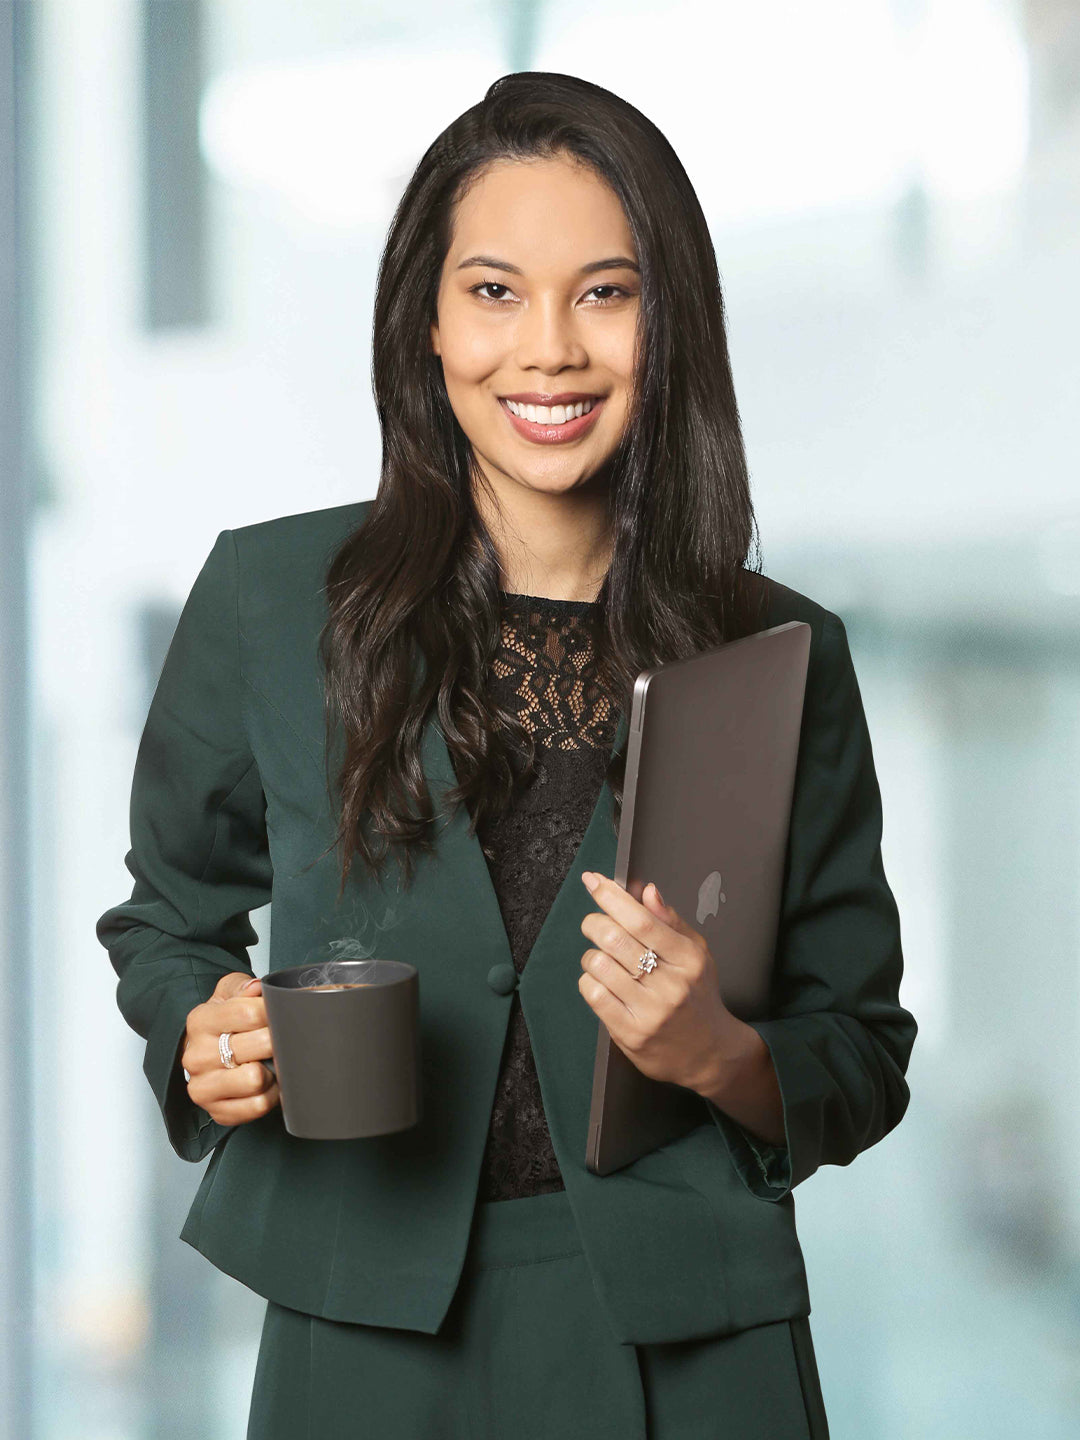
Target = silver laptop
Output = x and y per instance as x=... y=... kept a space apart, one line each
x=710 y=770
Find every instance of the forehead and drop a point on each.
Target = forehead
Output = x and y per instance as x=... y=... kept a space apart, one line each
x=540 y=214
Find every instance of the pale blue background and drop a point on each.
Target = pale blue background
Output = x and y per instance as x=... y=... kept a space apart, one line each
x=892 y=189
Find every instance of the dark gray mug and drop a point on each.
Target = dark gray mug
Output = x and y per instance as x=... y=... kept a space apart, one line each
x=346 y=1041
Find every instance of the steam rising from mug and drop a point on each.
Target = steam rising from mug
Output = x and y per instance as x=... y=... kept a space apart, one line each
x=327 y=972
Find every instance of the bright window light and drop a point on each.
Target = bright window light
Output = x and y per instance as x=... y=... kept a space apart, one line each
x=777 y=111
x=970 y=123
x=335 y=139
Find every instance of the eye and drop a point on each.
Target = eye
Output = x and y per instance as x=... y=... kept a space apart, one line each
x=489 y=285
x=618 y=295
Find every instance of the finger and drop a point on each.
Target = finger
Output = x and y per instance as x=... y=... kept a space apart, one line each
x=203 y=1053
x=608 y=935
x=236 y=982
x=634 y=999
x=203 y=1057
x=640 y=924
x=210 y=1086
x=658 y=906
x=697 y=946
x=240 y=1112
x=620 y=1024
x=241 y=1012
x=651 y=897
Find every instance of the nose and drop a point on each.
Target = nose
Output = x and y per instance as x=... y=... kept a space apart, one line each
x=548 y=339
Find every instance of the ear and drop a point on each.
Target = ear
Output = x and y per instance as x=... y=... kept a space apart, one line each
x=435 y=340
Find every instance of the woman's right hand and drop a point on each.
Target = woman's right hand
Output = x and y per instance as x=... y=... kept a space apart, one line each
x=231 y=1097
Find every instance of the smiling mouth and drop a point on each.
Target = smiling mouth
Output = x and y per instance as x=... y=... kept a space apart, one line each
x=560 y=423
x=551 y=414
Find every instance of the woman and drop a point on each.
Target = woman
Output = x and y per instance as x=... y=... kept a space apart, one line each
x=436 y=684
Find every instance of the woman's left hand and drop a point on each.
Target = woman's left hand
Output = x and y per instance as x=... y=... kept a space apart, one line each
x=670 y=1022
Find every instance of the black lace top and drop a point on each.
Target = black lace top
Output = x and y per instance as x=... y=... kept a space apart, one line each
x=545 y=671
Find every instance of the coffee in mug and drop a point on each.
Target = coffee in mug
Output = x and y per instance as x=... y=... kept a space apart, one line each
x=350 y=985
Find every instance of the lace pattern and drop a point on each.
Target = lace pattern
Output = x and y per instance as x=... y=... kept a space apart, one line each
x=545 y=671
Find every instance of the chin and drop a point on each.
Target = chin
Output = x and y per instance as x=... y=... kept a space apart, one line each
x=558 y=483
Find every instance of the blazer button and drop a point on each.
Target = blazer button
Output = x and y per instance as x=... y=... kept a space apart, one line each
x=503 y=979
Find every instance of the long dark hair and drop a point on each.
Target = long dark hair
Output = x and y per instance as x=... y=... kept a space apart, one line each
x=420 y=576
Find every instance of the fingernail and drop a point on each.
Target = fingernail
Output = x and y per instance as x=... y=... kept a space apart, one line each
x=248 y=983
x=656 y=892
x=591 y=880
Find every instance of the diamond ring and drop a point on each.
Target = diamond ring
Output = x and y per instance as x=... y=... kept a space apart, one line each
x=225 y=1050
x=647 y=963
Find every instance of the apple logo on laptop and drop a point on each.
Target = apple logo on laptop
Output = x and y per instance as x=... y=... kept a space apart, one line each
x=709 y=897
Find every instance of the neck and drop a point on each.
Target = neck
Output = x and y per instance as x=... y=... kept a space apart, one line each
x=550 y=543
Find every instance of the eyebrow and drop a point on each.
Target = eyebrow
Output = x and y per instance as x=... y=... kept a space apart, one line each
x=613 y=262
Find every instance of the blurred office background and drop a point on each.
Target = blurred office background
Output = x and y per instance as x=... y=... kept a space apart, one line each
x=193 y=198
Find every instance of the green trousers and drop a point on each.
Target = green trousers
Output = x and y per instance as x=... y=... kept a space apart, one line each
x=525 y=1351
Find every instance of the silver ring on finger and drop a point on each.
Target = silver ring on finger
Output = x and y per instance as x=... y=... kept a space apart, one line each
x=225 y=1050
x=647 y=962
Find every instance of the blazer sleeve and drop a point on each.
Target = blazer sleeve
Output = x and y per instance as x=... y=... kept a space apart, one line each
x=838 y=1036
x=199 y=853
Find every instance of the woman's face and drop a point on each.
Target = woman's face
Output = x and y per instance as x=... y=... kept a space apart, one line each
x=538 y=306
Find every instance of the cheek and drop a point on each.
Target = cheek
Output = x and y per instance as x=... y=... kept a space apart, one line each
x=470 y=352
x=626 y=356
x=615 y=354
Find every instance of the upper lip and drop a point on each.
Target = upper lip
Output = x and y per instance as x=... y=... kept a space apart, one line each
x=533 y=397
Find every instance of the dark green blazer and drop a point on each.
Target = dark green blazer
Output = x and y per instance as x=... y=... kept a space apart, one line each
x=228 y=811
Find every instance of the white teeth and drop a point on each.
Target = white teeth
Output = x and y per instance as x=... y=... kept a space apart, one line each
x=550 y=415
